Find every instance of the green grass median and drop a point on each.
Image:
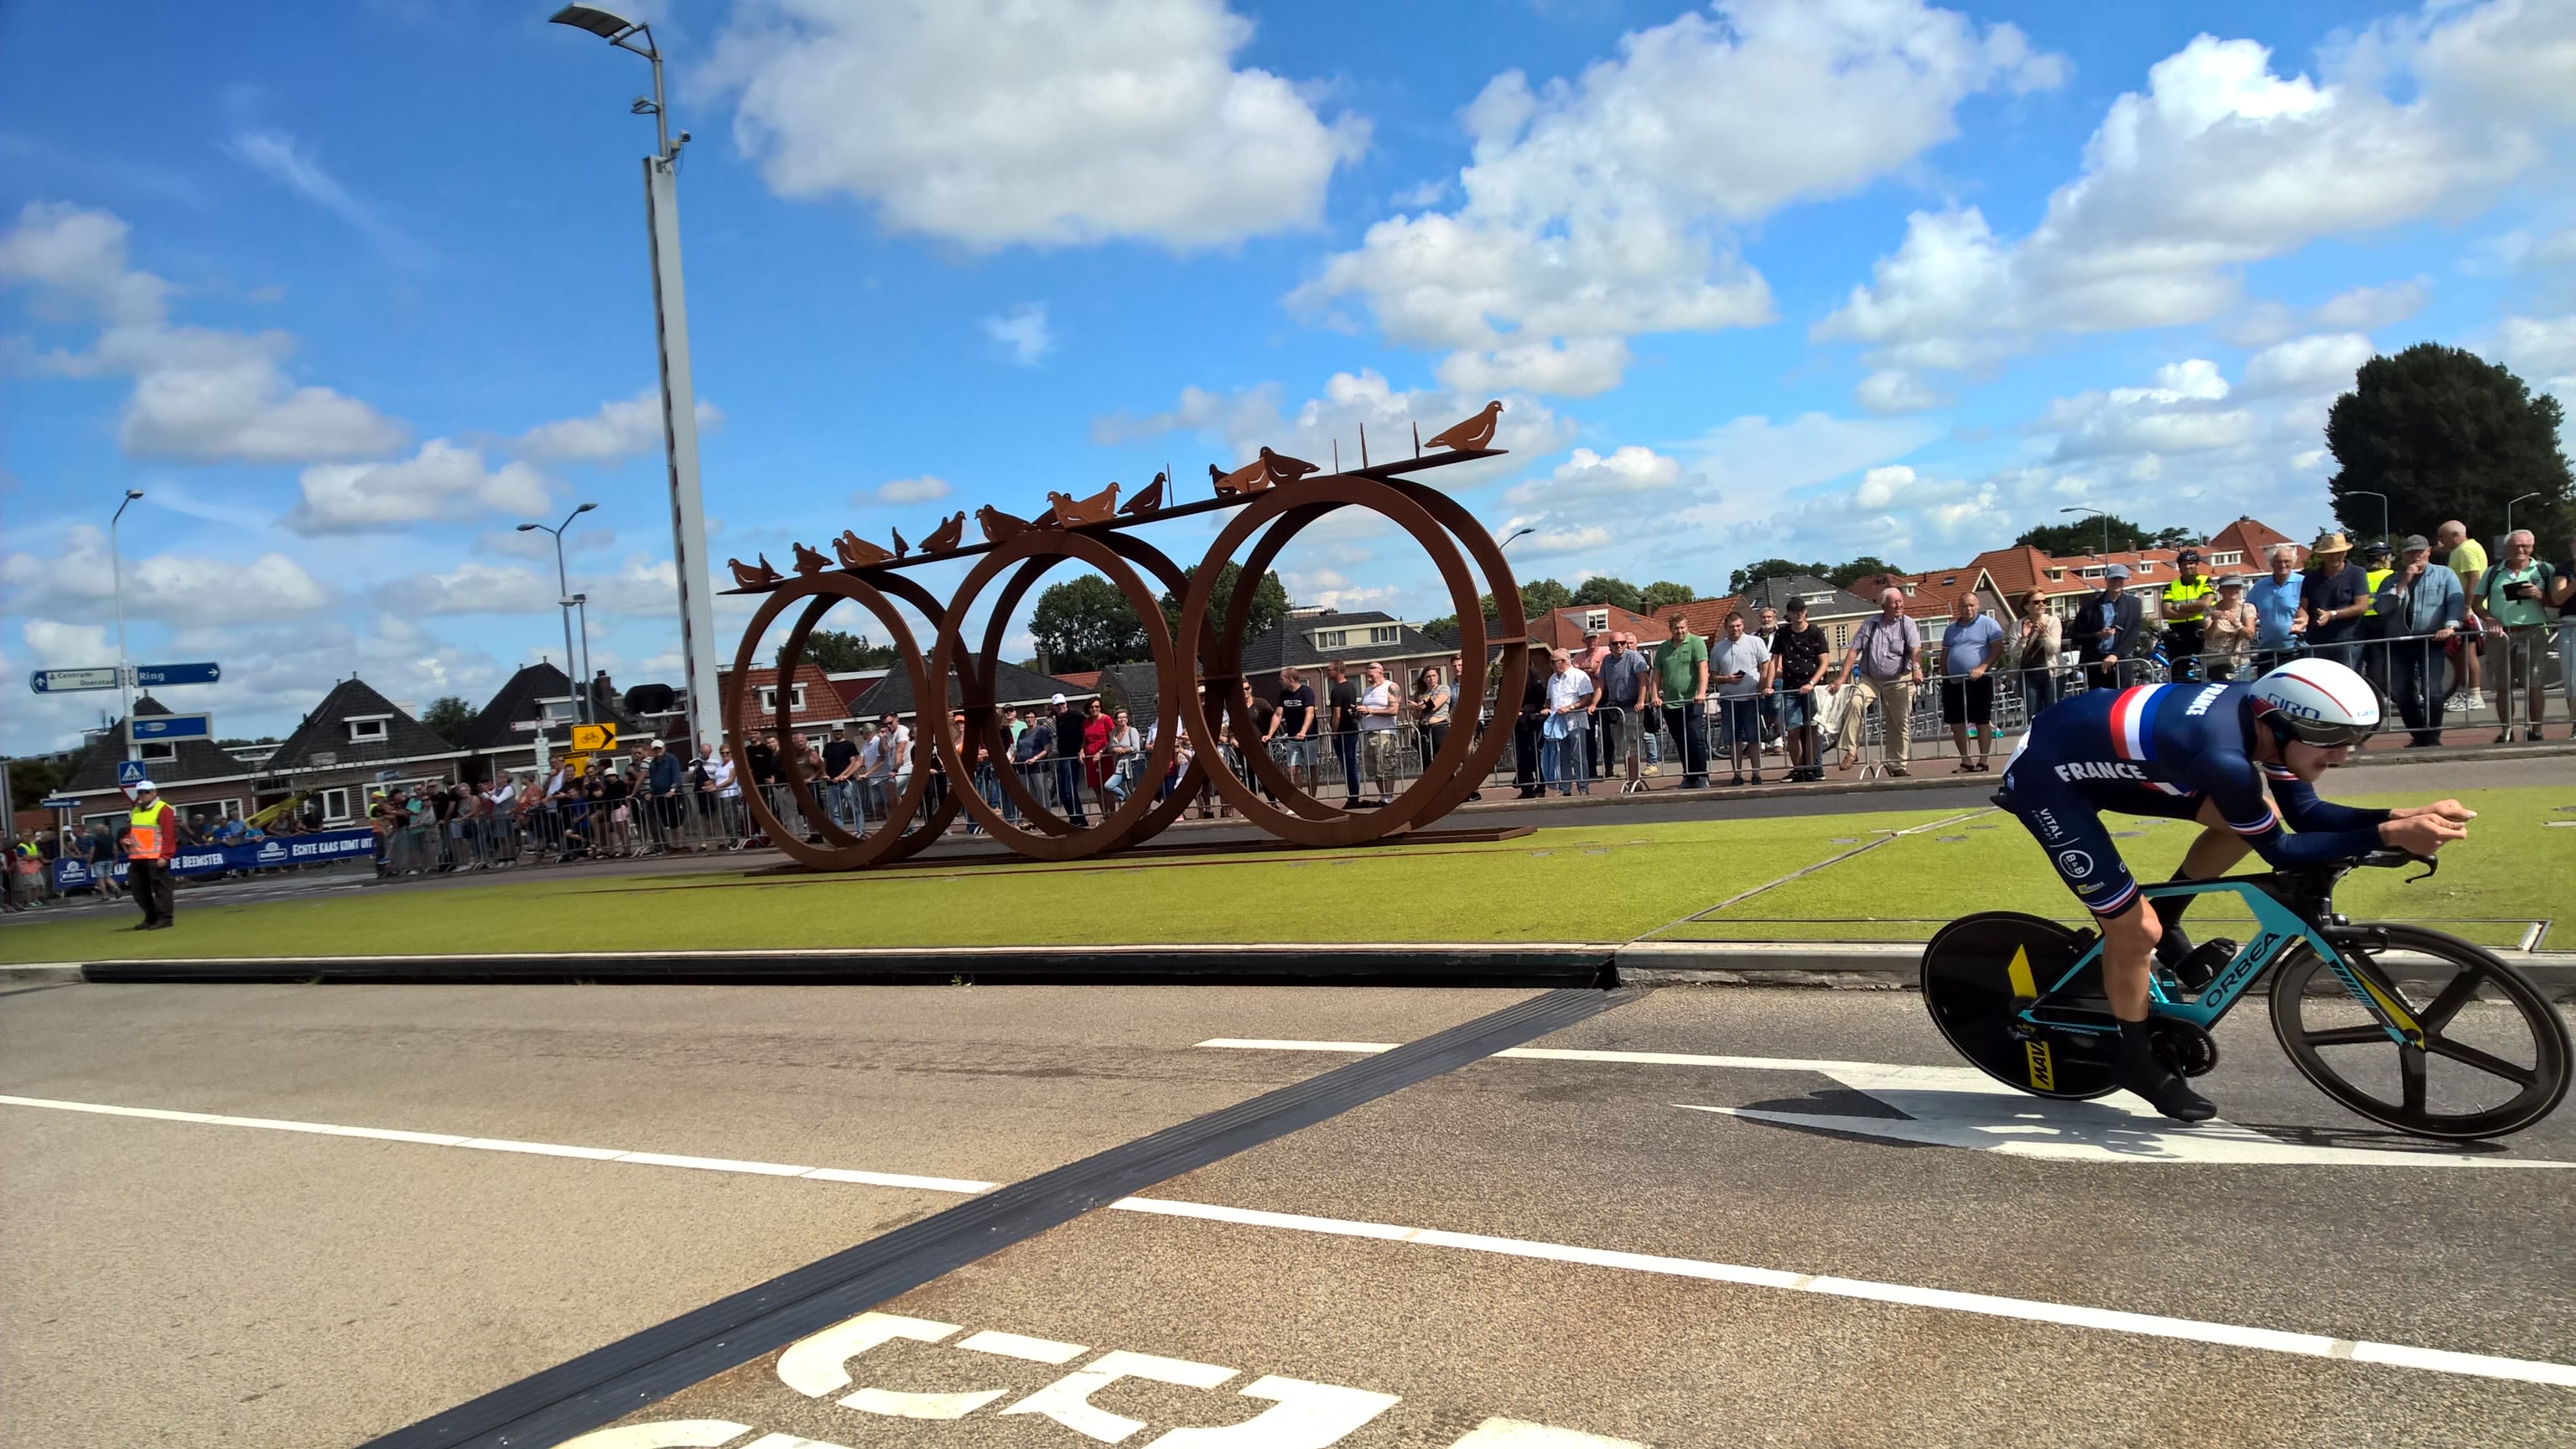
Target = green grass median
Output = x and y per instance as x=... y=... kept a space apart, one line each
x=1601 y=881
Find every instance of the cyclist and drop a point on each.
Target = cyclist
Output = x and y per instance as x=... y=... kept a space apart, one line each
x=2199 y=752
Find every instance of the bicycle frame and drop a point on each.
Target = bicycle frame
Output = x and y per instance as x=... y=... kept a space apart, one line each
x=2307 y=916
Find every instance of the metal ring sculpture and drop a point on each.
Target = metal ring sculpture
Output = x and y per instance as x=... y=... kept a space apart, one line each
x=1195 y=692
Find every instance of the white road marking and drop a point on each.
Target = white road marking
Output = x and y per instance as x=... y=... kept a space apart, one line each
x=1962 y=1107
x=1015 y=1345
x=669 y=1434
x=2531 y=1371
x=1521 y=1434
x=1068 y=1399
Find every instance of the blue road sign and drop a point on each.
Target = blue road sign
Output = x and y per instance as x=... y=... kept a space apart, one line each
x=63 y=681
x=129 y=771
x=156 y=676
x=59 y=802
x=173 y=726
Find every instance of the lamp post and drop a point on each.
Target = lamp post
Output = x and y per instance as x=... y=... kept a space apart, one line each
x=679 y=396
x=116 y=574
x=2106 y=525
x=2508 y=510
x=564 y=601
x=2383 y=508
x=1515 y=533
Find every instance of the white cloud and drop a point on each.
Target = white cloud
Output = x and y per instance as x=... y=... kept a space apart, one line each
x=622 y=428
x=200 y=394
x=441 y=481
x=1199 y=411
x=58 y=645
x=1022 y=332
x=1894 y=390
x=1604 y=207
x=1586 y=476
x=277 y=155
x=2179 y=414
x=2366 y=309
x=991 y=123
x=924 y=489
x=2543 y=349
x=180 y=588
x=2307 y=366
x=472 y=588
x=2218 y=163
x=1246 y=421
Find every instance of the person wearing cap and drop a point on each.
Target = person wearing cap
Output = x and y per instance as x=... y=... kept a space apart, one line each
x=2333 y=599
x=1800 y=651
x=2106 y=629
x=2421 y=603
x=1067 y=723
x=151 y=838
x=2184 y=606
x=2227 y=629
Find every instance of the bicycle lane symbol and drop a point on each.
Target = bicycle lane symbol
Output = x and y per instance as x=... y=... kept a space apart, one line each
x=1299 y=1415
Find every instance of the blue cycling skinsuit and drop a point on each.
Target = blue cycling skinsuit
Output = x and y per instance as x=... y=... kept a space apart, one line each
x=2164 y=749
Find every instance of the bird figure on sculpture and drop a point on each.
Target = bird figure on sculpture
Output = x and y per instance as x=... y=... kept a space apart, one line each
x=1472 y=434
x=1100 y=507
x=857 y=552
x=946 y=536
x=1284 y=469
x=900 y=547
x=808 y=561
x=999 y=526
x=1148 y=499
x=1249 y=479
x=745 y=576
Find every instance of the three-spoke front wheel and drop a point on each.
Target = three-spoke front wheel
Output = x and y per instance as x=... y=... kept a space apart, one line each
x=2492 y=1057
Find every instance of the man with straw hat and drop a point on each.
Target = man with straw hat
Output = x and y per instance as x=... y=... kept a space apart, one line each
x=2337 y=594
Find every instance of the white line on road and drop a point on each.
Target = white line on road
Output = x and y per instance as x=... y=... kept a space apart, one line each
x=2531 y=1371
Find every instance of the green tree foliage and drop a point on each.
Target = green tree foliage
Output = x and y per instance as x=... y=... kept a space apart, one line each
x=1540 y=596
x=447 y=717
x=837 y=651
x=1086 y=623
x=31 y=781
x=1269 y=601
x=1662 y=592
x=2446 y=434
x=1603 y=589
x=1771 y=568
x=2084 y=535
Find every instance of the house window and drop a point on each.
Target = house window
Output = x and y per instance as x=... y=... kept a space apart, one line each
x=558 y=710
x=335 y=805
x=1386 y=635
x=1842 y=635
x=363 y=730
x=1597 y=620
x=1332 y=638
x=2226 y=560
x=769 y=698
x=160 y=750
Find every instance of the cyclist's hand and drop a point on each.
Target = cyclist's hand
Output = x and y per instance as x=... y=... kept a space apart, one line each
x=2421 y=834
x=2451 y=810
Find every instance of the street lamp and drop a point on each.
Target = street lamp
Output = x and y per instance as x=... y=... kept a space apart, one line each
x=2106 y=525
x=1515 y=533
x=564 y=601
x=116 y=573
x=679 y=396
x=2383 y=508
x=2508 y=509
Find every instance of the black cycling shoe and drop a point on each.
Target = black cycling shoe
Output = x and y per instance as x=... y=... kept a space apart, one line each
x=2143 y=1073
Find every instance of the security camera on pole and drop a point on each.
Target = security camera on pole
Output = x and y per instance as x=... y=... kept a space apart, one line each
x=679 y=398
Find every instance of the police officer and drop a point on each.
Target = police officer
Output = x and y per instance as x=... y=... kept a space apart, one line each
x=2186 y=609
x=152 y=838
x=2378 y=561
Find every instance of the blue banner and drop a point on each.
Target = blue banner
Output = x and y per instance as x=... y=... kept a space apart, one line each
x=270 y=854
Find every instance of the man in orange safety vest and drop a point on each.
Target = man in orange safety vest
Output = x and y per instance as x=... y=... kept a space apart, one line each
x=152 y=838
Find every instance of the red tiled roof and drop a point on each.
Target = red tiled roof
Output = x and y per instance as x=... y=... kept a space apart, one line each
x=823 y=702
x=1563 y=628
x=1087 y=680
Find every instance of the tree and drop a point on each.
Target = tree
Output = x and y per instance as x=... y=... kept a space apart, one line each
x=1086 y=623
x=1771 y=568
x=837 y=651
x=1269 y=602
x=2446 y=434
x=1662 y=592
x=447 y=717
x=2084 y=535
x=2176 y=537
x=1842 y=576
x=1542 y=596
x=1603 y=589
x=31 y=781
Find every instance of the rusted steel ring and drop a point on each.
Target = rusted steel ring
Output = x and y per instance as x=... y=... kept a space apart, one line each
x=1441 y=782
x=1056 y=839
x=839 y=849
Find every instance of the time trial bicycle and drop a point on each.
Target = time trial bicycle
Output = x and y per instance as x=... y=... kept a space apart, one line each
x=2409 y=1027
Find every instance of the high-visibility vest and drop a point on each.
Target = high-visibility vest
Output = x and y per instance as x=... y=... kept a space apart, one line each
x=2184 y=591
x=2373 y=578
x=148 y=840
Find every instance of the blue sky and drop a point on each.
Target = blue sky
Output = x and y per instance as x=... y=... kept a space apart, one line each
x=349 y=290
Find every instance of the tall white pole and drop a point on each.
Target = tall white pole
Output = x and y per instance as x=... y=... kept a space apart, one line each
x=680 y=444
x=124 y=671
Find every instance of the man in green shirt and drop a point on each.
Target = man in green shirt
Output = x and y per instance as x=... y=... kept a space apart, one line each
x=2514 y=596
x=2466 y=557
x=1681 y=690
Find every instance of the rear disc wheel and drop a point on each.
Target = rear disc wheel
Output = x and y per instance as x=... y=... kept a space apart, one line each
x=1978 y=973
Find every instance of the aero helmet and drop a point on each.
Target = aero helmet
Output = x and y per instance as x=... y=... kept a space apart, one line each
x=2318 y=701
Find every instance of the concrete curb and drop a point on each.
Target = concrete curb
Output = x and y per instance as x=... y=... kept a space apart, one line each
x=40 y=972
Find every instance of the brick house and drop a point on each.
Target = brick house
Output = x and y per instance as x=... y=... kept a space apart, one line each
x=354 y=742
x=197 y=778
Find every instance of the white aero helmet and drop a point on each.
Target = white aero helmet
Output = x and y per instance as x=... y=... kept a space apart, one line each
x=2319 y=701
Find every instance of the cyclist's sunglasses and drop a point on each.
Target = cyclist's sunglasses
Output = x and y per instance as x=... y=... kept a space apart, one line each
x=2323 y=734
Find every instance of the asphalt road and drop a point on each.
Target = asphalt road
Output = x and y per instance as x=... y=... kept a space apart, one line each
x=1776 y=1243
